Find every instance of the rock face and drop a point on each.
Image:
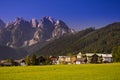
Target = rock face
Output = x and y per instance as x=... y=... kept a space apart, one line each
x=34 y=23
x=19 y=32
x=22 y=33
x=60 y=29
x=45 y=27
x=2 y=24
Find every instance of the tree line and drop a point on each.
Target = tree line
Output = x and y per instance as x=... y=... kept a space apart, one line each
x=33 y=60
x=28 y=60
x=116 y=54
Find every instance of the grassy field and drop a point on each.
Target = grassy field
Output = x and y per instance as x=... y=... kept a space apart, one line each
x=62 y=72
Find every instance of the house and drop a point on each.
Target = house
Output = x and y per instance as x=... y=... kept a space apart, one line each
x=21 y=62
x=107 y=58
x=78 y=59
x=81 y=58
x=101 y=57
x=61 y=60
x=68 y=60
x=77 y=62
x=64 y=60
x=6 y=63
x=79 y=55
x=53 y=59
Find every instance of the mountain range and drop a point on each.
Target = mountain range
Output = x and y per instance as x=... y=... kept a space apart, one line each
x=90 y=40
x=21 y=34
x=53 y=37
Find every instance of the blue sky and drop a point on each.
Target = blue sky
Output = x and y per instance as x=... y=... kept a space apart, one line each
x=78 y=14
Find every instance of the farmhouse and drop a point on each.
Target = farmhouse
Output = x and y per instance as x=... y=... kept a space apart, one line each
x=81 y=59
x=5 y=63
x=53 y=59
x=62 y=59
x=78 y=59
x=101 y=57
x=21 y=62
x=107 y=57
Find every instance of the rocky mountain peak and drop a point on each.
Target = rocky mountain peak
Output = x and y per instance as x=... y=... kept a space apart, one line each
x=46 y=21
x=61 y=29
x=61 y=24
x=34 y=23
x=18 y=19
x=48 y=18
x=20 y=22
x=51 y=19
x=58 y=22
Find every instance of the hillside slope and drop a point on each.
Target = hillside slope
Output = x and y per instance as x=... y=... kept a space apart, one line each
x=89 y=40
x=7 y=52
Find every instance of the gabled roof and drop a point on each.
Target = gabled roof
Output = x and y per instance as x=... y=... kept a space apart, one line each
x=99 y=54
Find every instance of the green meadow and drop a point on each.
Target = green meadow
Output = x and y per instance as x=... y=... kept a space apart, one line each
x=62 y=72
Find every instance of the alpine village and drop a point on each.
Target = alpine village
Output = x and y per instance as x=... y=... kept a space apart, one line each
x=52 y=42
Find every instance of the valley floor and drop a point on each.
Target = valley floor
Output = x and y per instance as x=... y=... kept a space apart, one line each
x=62 y=72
